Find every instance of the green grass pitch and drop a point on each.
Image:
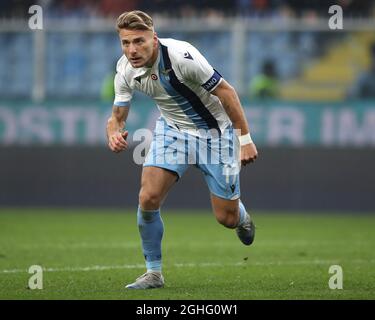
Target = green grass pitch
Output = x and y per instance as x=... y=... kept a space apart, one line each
x=92 y=254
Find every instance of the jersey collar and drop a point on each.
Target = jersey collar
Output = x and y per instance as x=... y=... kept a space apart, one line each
x=140 y=72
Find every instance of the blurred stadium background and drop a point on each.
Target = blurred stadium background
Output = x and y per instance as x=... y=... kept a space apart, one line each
x=308 y=91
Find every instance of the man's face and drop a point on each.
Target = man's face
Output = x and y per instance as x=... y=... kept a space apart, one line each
x=139 y=46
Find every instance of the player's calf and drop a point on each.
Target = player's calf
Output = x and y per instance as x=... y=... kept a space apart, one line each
x=228 y=218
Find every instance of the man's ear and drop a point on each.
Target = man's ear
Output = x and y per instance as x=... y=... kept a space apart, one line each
x=155 y=37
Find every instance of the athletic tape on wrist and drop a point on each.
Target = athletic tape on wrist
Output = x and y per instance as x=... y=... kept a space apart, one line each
x=245 y=139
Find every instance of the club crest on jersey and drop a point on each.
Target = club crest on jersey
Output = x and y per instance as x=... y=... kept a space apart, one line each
x=166 y=71
x=154 y=76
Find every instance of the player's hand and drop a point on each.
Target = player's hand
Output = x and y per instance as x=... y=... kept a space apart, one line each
x=117 y=141
x=248 y=153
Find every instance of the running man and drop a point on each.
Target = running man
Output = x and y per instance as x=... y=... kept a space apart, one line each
x=194 y=101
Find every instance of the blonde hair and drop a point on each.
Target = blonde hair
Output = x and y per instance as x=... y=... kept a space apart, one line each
x=135 y=20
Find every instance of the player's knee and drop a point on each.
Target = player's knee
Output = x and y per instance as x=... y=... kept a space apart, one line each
x=228 y=218
x=149 y=200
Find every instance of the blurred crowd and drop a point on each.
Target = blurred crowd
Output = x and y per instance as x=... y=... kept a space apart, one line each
x=286 y=54
x=190 y=8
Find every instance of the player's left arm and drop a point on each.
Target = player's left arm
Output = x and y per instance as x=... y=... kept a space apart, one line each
x=194 y=66
x=232 y=105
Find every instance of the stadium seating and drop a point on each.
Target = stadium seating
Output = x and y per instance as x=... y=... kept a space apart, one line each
x=77 y=63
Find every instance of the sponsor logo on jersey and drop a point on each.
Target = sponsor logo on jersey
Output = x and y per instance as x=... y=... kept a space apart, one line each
x=187 y=55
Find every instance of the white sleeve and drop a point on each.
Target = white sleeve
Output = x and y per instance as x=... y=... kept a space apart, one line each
x=123 y=94
x=196 y=68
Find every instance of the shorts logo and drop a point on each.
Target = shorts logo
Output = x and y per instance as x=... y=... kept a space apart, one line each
x=154 y=76
x=233 y=187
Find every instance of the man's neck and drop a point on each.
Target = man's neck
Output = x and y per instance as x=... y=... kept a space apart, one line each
x=153 y=58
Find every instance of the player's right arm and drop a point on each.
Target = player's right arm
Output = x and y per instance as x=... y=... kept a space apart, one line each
x=115 y=129
x=116 y=133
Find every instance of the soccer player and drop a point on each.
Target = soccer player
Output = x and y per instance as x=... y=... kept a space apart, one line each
x=193 y=98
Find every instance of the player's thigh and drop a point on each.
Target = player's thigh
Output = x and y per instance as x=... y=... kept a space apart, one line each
x=224 y=209
x=156 y=182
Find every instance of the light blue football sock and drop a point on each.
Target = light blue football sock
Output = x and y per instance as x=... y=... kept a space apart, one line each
x=151 y=229
x=242 y=213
